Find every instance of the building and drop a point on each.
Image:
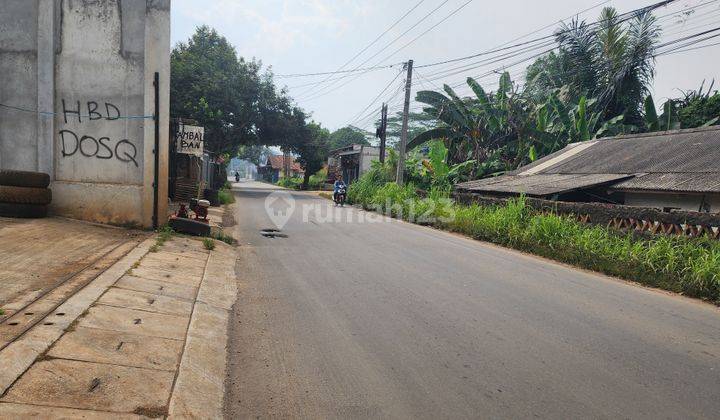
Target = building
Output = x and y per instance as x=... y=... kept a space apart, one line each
x=675 y=170
x=274 y=168
x=351 y=161
x=78 y=102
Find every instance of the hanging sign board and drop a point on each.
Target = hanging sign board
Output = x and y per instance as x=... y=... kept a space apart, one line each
x=190 y=139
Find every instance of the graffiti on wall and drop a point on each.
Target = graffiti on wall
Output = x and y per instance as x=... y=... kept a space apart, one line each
x=100 y=147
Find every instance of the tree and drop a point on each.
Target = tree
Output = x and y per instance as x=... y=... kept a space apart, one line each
x=313 y=149
x=494 y=130
x=254 y=153
x=417 y=123
x=211 y=85
x=346 y=136
x=235 y=102
x=612 y=62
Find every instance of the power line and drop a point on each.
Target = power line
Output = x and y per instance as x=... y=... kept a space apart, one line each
x=623 y=17
x=379 y=95
x=286 y=76
x=493 y=61
x=532 y=48
x=390 y=43
x=377 y=38
x=428 y=30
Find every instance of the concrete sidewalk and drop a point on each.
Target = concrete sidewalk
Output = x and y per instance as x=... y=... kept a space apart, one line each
x=146 y=338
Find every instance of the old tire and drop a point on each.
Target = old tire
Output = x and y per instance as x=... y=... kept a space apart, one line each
x=26 y=211
x=189 y=226
x=25 y=195
x=24 y=179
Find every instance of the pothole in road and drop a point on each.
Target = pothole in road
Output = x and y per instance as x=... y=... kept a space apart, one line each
x=272 y=233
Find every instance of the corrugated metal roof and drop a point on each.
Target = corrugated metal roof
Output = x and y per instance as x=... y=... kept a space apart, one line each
x=696 y=151
x=539 y=185
x=678 y=161
x=677 y=182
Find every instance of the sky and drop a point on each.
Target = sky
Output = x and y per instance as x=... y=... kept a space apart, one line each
x=311 y=36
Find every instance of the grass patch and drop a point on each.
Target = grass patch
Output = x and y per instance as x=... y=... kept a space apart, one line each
x=165 y=233
x=2 y=311
x=293 y=183
x=208 y=243
x=225 y=196
x=690 y=266
x=154 y=248
x=221 y=236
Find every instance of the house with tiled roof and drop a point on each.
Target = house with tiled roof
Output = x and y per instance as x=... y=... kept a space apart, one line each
x=274 y=168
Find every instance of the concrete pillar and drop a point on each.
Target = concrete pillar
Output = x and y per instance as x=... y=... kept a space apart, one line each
x=45 y=85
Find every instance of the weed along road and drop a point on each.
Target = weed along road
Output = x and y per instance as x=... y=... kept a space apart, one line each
x=366 y=318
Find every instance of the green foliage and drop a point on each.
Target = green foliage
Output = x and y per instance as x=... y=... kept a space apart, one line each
x=696 y=109
x=225 y=196
x=254 y=153
x=313 y=150
x=208 y=243
x=221 y=236
x=222 y=93
x=346 y=136
x=292 y=183
x=612 y=62
x=362 y=190
x=699 y=109
x=238 y=103
x=318 y=179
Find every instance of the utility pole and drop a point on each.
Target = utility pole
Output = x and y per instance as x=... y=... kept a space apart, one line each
x=382 y=131
x=403 y=134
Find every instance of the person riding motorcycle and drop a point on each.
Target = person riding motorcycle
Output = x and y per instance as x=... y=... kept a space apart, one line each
x=339 y=183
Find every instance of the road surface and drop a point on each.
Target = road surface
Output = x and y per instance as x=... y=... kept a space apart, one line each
x=350 y=319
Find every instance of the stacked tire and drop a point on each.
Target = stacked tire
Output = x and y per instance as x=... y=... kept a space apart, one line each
x=24 y=194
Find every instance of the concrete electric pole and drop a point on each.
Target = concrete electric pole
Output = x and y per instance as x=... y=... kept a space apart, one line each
x=403 y=135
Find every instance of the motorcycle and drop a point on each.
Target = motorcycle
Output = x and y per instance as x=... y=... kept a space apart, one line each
x=340 y=196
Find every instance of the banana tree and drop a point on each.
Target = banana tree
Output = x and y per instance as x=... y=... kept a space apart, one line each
x=558 y=124
x=476 y=128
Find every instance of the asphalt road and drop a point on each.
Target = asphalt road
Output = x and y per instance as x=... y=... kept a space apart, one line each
x=391 y=320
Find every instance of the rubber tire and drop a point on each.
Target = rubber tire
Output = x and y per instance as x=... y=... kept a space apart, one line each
x=189 y=226
x=24 y=211
x=24 y=179
x=25 y=195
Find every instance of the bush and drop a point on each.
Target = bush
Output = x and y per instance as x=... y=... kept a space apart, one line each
x=362 y=190
x=293 y=183
x=225 y=196
x=685 y=265
x=317 y=180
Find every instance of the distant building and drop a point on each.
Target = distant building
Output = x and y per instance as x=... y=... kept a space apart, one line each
x=351 y=161
x=674 y=170
x=274 y=168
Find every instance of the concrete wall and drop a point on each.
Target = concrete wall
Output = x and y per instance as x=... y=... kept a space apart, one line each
x=368 y=154
x=688 y=202
x=92 y=62
x=18 y=83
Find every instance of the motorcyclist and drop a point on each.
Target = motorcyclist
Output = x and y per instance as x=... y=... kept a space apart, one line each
x=339 y=183
x=237 y=176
